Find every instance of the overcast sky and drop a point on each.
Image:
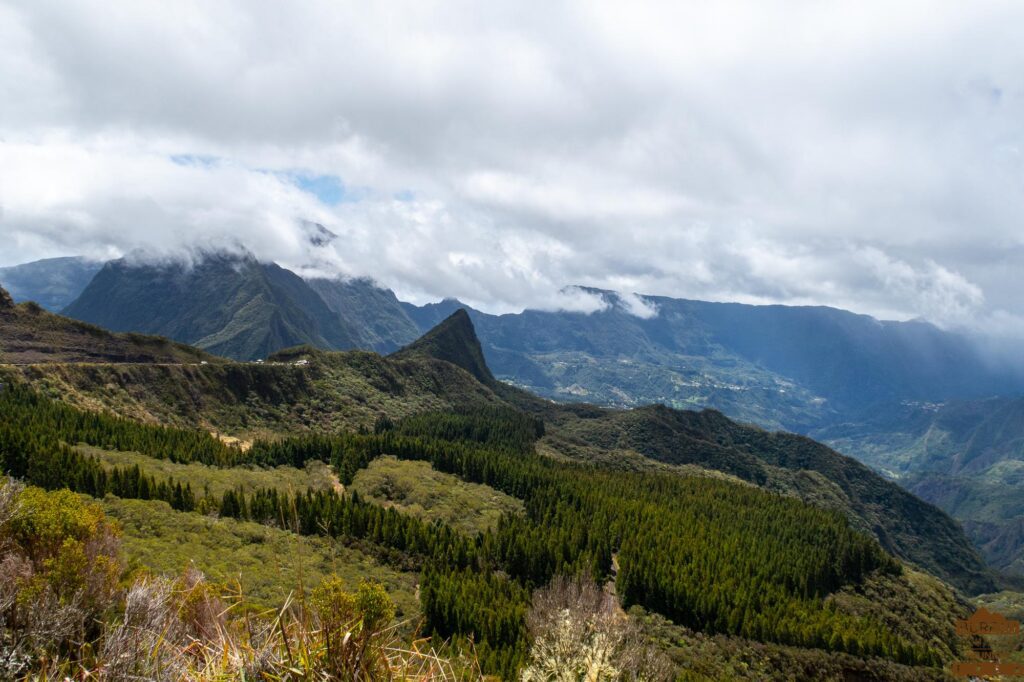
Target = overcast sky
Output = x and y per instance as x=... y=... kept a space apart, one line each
x=863 y=155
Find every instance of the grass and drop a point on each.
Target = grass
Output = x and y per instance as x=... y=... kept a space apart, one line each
x=268 y=563
x=214 y=481
x=416 y=488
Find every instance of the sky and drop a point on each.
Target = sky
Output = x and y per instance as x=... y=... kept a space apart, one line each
x=863 y=155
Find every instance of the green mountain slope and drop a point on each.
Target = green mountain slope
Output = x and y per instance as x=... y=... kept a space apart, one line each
x=454 y=340
x=716 y=557
x=904 y=524
x=53 y=283
x=29 y=334
x=230 y=305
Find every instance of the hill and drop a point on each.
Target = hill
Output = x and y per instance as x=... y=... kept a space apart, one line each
x=52 y=282
x=454 y=340
x=230 y=305
x=791 y=464
x=29 y=334
x=778 y=366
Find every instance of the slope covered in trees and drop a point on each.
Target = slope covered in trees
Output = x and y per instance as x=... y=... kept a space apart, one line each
x=904 y=524
x=739 y=561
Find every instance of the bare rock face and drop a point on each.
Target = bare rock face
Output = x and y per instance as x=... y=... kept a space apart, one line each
x=5 y=299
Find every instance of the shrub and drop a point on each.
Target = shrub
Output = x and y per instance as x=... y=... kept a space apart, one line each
x=59 y=569
x=579 y=632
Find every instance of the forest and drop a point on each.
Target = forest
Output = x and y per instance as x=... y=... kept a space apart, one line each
x=714 y=555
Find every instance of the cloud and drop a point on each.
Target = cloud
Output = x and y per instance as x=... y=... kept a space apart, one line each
x=941 y=295
x=637 y=305
x=867 y=156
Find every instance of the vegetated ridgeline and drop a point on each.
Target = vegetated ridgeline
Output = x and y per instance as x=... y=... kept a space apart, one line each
x=714 y=555
x=29 y=334
x=797 y=368
x=238 y=307
x=453 y=340
x=227 y=304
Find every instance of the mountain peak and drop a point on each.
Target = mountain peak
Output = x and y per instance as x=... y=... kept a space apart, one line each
x=453 y=340
x=227 y=303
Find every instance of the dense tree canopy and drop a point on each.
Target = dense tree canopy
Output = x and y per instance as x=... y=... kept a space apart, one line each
x=711 y=554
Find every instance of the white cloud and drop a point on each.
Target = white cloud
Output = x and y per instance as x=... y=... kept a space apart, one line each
x=866 y=155
x=637 y=305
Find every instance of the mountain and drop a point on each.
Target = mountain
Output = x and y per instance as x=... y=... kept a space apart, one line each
x=778 y=366
x=29 y=334
x=454 y=340
x=230 y=305
x=794 y=368
x=967 y=457
x=52 y=282
x=372 y=311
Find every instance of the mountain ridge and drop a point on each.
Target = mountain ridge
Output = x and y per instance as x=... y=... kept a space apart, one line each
x=51 y=282
x=29 y=335
x=778 y=366
x=791 y=367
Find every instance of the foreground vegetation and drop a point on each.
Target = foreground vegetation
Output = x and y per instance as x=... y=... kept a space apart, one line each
x=261 y=564
x=710 y=555
x=68 y=609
